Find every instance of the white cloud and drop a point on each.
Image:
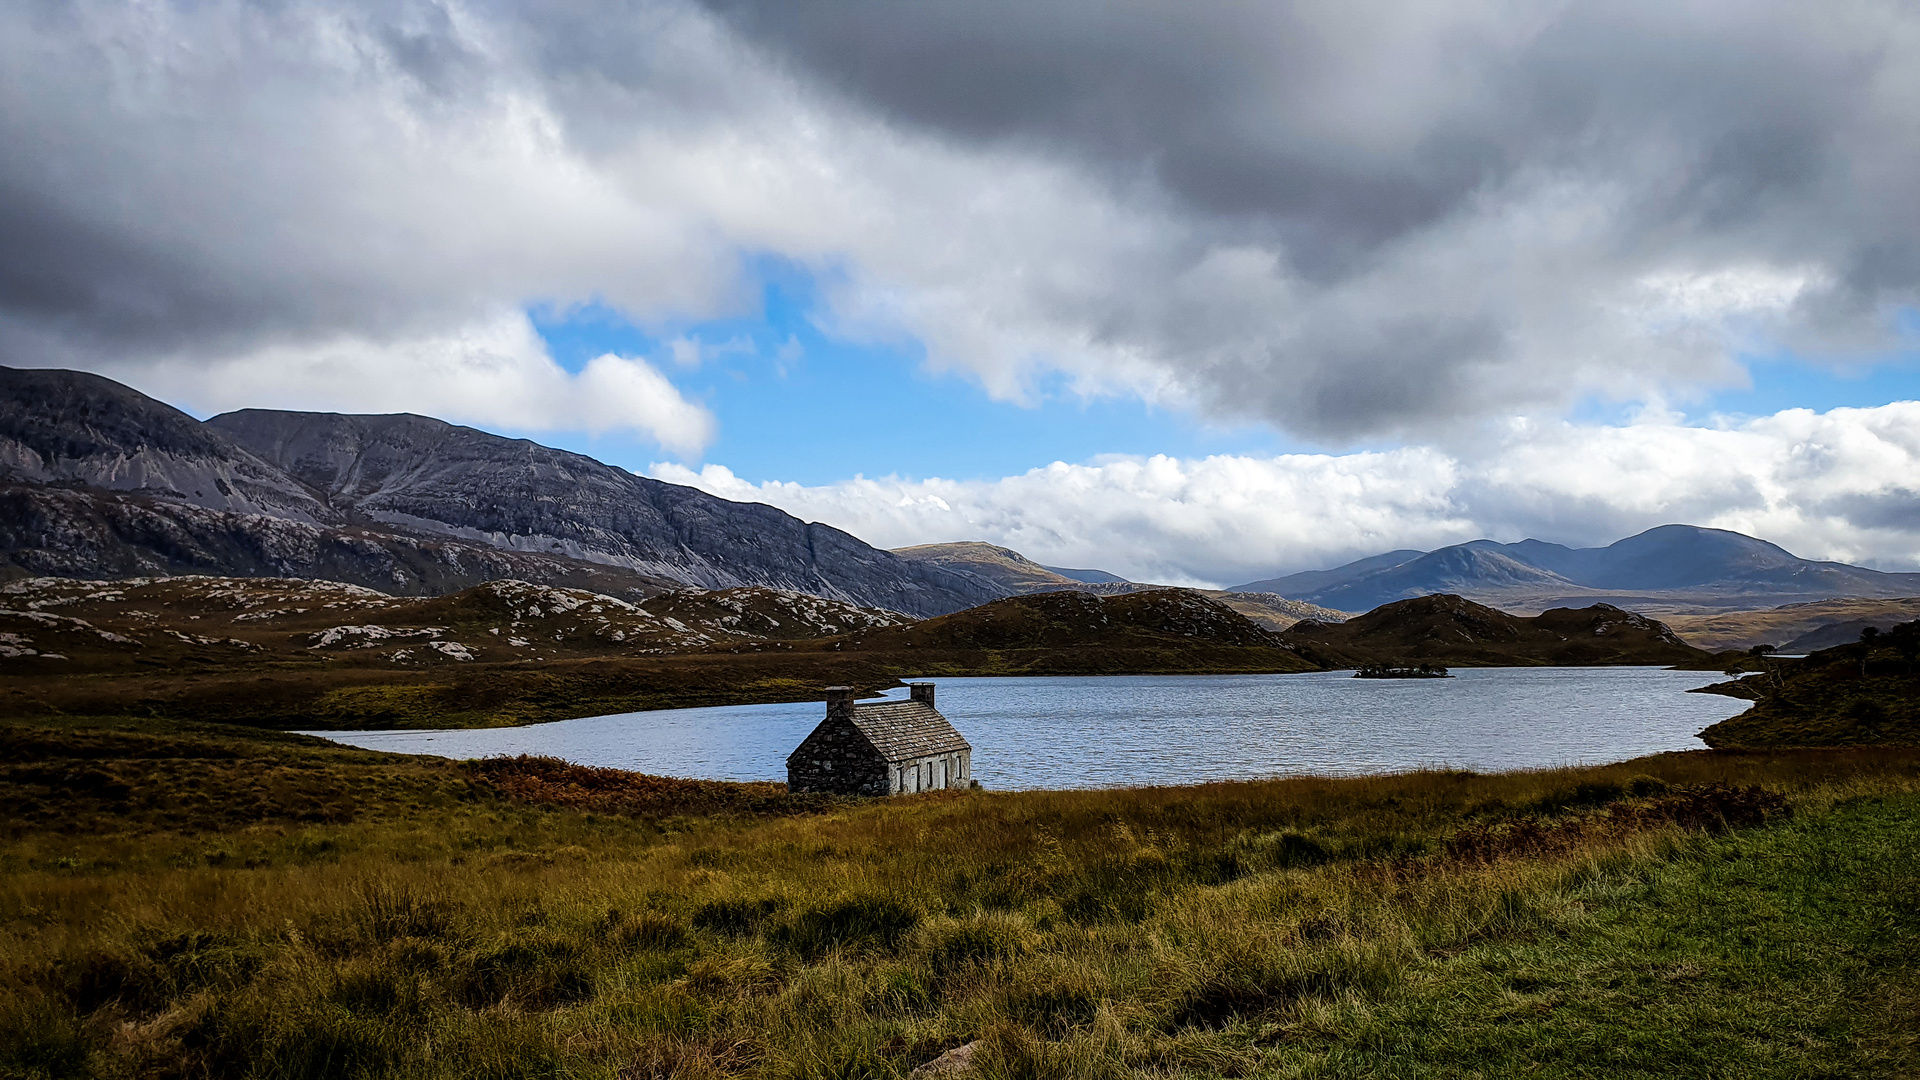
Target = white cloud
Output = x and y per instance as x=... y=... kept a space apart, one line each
x=496 y=374
x=1841 y=485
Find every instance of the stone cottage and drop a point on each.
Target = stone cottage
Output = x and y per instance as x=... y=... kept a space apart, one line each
x=882 y=748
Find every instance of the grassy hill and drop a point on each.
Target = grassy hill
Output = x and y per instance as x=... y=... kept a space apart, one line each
x=1451 y=630
x=1004 y=567
x=1076 y=633
x=1843 y=696
x=189 y=900
x=1781 y=625
x=317 y=655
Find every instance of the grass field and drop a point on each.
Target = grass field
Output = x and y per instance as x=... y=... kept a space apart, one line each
x=183 y=900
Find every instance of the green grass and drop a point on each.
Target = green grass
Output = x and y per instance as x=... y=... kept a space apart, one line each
x=1694 y=915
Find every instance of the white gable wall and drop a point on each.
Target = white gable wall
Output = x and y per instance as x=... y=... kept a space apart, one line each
x=933 y=773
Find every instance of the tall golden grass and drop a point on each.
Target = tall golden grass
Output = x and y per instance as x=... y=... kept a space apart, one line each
x=1279 y=927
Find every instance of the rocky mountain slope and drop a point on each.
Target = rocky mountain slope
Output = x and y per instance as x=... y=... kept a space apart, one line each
x=86 y=533
x=1455 y=631
x=98 y=480
x=1672 y=568
x=74 y=429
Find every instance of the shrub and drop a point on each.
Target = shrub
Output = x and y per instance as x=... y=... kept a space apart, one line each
x=851 y=923
x=39 y=1040
x=327 y=1043
x=1052 y=998
x=1646 y=787
x=735 y=918
x=536 y=970
x=1290 y=848
x=387 y=912
x=652 y=932
x=981 y=939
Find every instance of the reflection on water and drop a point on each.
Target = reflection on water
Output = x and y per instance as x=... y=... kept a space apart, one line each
x=1170 y=729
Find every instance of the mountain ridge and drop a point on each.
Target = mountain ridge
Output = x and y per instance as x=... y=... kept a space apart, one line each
x=1022 y=576
x=100 y=480
x=1668 y=569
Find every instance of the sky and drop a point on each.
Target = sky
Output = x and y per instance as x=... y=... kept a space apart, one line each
x=1193 y=293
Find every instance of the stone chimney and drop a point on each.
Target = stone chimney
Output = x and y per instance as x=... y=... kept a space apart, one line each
x=921 y=691
x=839 y=701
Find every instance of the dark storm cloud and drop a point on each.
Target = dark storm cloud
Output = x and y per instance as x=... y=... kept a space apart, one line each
x=1348 y=137
x=1237 y=108
x=1351 y=124
x=1351 y=221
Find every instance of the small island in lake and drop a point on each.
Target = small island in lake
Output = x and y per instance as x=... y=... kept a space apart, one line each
x=1388 y=671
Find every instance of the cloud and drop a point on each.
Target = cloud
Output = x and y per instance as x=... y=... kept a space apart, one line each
x=1366 y=219
x=498 y=374
x=1834 y=485
x=1348 y=222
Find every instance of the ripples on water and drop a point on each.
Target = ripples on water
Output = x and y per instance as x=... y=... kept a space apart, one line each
x=1170 y=729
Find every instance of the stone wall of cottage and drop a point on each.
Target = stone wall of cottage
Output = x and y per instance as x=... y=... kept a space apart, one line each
x=836 y=758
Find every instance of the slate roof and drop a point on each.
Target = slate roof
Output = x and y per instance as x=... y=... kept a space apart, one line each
x=907 y=729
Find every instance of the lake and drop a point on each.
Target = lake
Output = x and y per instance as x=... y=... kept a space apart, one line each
x=1114 y=731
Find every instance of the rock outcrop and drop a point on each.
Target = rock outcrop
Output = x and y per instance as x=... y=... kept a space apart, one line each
x=1453 y=630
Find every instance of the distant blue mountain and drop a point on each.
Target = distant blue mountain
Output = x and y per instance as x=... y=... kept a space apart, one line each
x=1091 y=577
x=1307 y=581
x=1671 y=567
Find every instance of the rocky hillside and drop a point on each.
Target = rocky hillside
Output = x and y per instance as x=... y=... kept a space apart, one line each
x=98 y=480
x=97 y=534
x=300 y=654
x=60 y=626
x=1455 y=631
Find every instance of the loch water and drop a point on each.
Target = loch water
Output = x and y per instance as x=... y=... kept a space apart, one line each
x=1128 y=730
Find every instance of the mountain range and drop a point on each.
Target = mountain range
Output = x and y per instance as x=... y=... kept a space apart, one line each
x=99 y=480
x=1019 y=575
x=1669 y=569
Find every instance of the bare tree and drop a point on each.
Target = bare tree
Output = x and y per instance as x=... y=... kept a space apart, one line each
x=1759 y=654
